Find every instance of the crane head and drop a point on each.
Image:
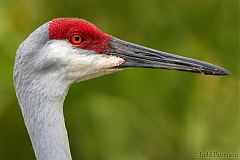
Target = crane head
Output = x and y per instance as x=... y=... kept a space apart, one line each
x=81 y=51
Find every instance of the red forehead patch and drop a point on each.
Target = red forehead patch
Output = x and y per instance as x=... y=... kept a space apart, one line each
x=63 y=28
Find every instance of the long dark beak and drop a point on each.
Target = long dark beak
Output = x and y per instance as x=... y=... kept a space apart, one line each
x=143 y=57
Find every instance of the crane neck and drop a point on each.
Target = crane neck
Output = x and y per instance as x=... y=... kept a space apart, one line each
x=41 y=90
x=42 y=109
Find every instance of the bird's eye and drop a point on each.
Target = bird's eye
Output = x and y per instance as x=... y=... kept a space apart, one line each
x=76 y=39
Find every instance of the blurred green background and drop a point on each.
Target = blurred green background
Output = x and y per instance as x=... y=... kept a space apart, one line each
x=136 y=114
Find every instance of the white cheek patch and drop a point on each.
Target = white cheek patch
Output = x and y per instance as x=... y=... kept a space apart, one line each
x=92 y=65
x=79 y=64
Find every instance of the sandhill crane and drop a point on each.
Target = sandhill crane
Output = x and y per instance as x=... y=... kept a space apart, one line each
x=68 y=50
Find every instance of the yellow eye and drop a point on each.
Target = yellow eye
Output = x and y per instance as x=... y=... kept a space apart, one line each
x=76 y=39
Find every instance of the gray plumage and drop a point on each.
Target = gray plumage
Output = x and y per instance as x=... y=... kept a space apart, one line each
x=41 y=93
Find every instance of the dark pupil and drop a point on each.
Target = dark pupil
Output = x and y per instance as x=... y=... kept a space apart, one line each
x=77 y=38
